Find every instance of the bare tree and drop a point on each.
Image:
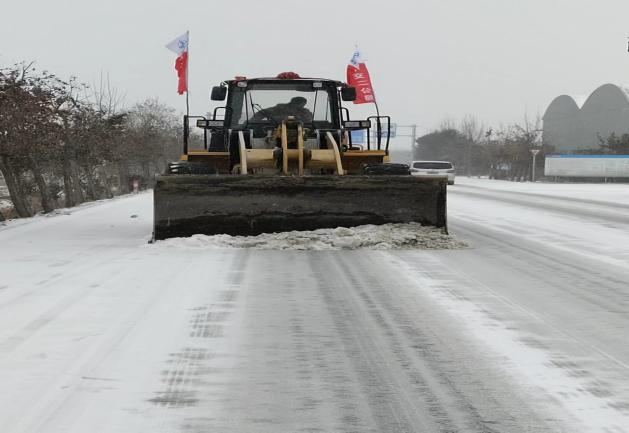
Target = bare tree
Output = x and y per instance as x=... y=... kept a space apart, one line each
x=473 y=131
x=104 y=97
x=59 y=137
x=447 y=123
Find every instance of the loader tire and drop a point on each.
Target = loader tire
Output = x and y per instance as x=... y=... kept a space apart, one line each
x=185 y=167
x=388 y=169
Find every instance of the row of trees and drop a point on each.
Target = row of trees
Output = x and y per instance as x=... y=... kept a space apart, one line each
x=614 y=144
x=63 y=142
x=503 y=154
x=476 y=150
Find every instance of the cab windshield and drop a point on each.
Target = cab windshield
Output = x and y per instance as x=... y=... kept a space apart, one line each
x=270 y=103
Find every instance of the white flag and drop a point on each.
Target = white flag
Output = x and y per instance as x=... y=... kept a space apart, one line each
x=179 y=45
x=357 y=59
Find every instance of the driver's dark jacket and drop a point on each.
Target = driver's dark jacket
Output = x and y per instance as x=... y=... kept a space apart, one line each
x=282 y=111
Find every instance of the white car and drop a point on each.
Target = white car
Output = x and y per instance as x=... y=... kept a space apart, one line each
x=433 y=168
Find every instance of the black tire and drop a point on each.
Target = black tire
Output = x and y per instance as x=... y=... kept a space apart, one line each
x=185 y=167
x=388 y=169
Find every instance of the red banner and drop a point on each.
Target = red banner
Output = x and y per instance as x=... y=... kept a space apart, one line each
x=358 y=77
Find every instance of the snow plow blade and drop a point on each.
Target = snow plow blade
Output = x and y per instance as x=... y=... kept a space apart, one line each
x=185 y=205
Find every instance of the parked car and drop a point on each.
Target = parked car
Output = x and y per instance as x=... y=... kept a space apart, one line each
x=433 y=168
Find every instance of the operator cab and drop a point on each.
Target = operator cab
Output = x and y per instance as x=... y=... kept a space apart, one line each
x=257 y=109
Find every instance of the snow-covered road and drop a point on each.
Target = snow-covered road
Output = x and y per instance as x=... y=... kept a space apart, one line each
x=525 y=331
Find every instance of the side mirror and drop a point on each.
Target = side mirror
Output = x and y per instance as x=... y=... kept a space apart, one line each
x=219 y=93
x=348 y=93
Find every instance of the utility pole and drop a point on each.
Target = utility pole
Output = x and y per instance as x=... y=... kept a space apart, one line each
x=468 y=158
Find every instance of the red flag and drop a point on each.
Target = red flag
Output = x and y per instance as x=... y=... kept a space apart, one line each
x=180 y=47
x=181 y=65
x=358 y=77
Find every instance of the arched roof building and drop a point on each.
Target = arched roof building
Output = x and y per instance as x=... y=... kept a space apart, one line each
x=573 y=123
x=562 y=122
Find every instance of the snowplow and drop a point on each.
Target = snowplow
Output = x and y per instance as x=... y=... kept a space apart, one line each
x=280 y=156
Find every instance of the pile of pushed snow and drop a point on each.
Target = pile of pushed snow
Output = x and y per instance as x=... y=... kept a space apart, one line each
x=381 y=237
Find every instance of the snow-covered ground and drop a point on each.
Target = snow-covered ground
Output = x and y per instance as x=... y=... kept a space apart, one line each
x=550 y=272
x=5 y=204
x=522 y=331
x=609 y=192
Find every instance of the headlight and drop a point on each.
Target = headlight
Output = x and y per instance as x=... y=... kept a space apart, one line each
x=209 y=124
x=357 y=124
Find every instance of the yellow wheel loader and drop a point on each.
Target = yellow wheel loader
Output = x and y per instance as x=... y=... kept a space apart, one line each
x=279 y=156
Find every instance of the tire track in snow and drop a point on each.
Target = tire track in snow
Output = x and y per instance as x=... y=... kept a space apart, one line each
x=189 y=366
x=406 y=390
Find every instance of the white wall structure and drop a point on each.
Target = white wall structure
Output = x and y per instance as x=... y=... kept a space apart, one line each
x=574 y=123
x=587 y=165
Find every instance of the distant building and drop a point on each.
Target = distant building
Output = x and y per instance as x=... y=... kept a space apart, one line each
x=573 y=123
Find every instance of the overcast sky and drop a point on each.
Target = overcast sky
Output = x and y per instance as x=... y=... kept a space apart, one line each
x=429 y=59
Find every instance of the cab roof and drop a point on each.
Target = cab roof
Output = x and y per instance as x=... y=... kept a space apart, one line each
x=286 y=80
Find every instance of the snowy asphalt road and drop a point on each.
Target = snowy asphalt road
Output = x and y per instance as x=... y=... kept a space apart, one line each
x=526 y=331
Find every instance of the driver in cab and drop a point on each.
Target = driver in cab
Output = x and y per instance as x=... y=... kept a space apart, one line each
x=296 y=108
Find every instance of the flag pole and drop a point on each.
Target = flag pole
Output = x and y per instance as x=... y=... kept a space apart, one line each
x=187 y=74
x=187 y=103
x=378 y=124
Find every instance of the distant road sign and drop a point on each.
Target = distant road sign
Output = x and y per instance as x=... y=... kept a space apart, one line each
x=360 y=136
x=383 y=133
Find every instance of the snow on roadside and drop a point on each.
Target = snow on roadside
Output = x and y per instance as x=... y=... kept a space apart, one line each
x=617 y=193
x=479 y=308
x=64 y=211
x=5 y=204
x=408 y=236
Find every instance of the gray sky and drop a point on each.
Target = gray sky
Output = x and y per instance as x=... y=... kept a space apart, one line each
x=429 y=60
